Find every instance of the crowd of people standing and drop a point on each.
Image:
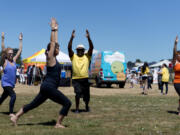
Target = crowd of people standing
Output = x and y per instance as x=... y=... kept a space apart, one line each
x=32 y=76
x=145 y=78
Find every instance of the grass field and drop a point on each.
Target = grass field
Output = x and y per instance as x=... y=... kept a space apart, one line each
x=122 y=113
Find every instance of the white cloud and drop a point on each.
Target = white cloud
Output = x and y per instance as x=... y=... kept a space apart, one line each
x=115 y=57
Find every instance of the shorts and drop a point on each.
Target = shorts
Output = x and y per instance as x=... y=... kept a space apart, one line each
x=82 y=88
x=144 y=78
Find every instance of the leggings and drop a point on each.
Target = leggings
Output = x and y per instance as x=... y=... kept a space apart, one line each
x=177 y=88
x=8 y=91
x=166 y=84
x=48 y=91
x=149 y=84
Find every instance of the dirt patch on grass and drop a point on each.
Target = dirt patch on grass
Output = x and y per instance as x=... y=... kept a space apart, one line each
x=114 y=90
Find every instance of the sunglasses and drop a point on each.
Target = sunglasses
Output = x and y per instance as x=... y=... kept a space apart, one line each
x=10 y=53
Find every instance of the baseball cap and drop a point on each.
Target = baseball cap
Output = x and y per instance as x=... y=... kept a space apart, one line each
x=80 y=46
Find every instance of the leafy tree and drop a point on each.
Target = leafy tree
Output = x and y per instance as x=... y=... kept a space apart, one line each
x=138 y=61
x=130 y=64
x=19 y=60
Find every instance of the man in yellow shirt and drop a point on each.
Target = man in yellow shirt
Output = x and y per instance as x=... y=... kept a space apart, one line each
x=165 y=77
x=80 y=66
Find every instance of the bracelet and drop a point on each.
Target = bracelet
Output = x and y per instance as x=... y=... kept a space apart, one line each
x=54 y=30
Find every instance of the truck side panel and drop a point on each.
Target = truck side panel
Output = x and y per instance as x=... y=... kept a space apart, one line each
x=113 y=66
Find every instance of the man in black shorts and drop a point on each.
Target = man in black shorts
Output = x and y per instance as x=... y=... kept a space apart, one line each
x=80 y=66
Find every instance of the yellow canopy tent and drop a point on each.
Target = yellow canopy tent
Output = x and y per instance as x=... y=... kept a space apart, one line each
x=27 y=61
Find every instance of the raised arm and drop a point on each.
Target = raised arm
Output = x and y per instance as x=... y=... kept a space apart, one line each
x=175 y=51
x=54 y=29
x=2 y=42
x=91 y=47
x=71 y=53
x=20 y=48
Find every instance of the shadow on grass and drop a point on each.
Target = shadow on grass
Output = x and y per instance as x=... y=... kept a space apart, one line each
x=173 y=112
x=80 y=110
x=48 y=123
x=6 y=113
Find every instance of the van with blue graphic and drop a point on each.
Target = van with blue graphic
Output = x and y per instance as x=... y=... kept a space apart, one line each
x=108 y=68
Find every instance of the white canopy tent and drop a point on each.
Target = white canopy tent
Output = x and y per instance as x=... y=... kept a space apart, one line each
x=39 y=58
x=167 y=62
x=61 y=58
x=155 y=68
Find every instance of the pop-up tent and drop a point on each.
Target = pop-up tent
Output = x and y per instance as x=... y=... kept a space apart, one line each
x=39 y=59
x=27 y=61
x=167 y=62
x=61 y=58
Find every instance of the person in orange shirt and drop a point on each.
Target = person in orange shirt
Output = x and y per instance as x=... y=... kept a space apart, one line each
x=176 y=67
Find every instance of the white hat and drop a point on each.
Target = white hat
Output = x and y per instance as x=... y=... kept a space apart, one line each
x=80 y=47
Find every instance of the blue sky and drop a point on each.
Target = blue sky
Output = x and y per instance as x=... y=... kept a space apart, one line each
x=142 y=29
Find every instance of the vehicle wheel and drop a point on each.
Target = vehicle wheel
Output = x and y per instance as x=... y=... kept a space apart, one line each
x=98 y=84
x=121 y=85
x=108 y=85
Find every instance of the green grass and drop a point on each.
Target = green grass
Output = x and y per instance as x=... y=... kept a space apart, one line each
x=110 y=115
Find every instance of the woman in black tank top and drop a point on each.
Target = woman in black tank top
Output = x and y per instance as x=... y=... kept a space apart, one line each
x=48 y=89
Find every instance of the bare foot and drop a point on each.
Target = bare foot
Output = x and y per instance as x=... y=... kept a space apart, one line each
x=14 y=119
x=59 y=126
x=179 y=113
x=11 y=114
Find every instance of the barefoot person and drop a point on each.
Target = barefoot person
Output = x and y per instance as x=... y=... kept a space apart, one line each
x=48 y=89
x=80 y=65
x=176 y=67
x=9 y=68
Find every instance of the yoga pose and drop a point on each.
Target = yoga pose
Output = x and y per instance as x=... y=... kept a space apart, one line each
x=176 y=67
x=48 y=89
x=80 y=66
x=9 y=68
